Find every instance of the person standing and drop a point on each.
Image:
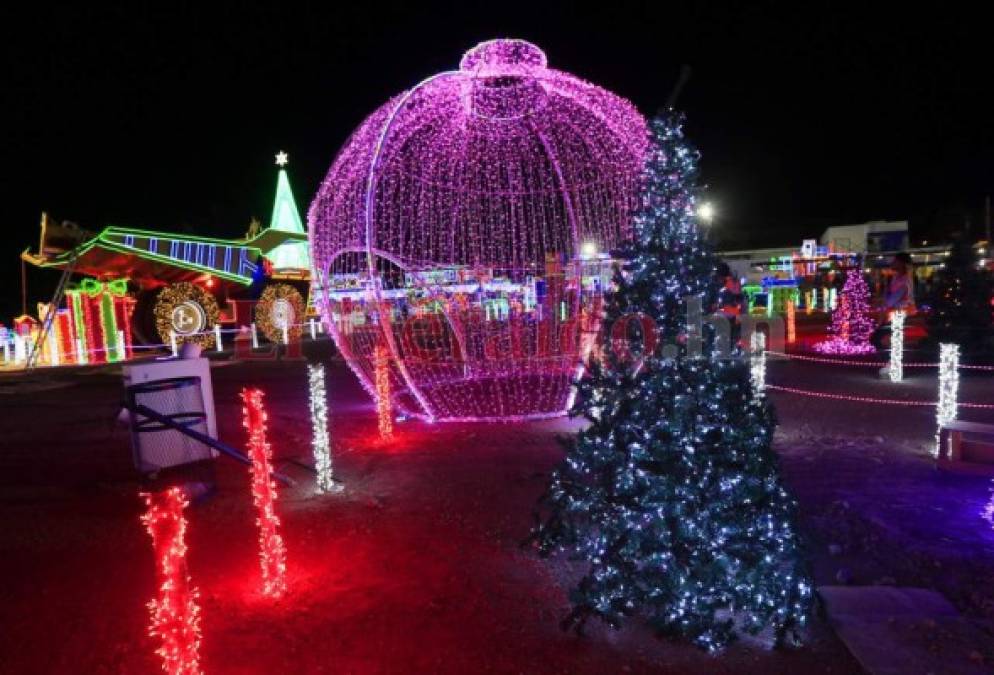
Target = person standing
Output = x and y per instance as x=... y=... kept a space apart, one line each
x=899 y=296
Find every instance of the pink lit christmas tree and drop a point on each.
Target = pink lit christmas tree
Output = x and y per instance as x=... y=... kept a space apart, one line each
x=851 y=322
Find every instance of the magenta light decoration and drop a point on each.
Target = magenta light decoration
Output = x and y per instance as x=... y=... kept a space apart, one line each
x=852 y=324
x=466 y=227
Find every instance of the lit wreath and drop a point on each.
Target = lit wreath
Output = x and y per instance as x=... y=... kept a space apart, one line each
x=185 y=308
x=275 y=300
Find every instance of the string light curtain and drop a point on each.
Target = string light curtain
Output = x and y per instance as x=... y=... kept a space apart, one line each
x=464 y=226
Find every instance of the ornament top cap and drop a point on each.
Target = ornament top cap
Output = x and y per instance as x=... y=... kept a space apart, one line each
x=503 y=57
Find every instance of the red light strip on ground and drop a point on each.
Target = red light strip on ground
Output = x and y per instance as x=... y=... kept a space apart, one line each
x=272 y=551
x=175 y=613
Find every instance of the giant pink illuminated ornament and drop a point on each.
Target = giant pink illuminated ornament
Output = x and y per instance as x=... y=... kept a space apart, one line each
x=466 y=226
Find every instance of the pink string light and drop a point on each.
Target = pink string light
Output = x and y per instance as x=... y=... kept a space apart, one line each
x=868 y=399
x=272 y=551
x=465 y=227
x=868 y=364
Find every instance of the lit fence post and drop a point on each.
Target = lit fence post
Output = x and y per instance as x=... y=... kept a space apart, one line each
x=217 y=337
x=80 y=352
x=896 y=369
x=175 y=613
x=20 y=349
x=321 y=440
x=945 y=411
x=791 y=322
x=286 y=332
x=122 y=352
x=757 y=362
x=384 y=403
x=314 y=329
x=272 y=551
x=255 y=337
x=53 y=349
x=173 y=343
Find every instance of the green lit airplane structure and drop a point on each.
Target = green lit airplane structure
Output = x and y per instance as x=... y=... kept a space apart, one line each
x=207 y=274
x=151 y=259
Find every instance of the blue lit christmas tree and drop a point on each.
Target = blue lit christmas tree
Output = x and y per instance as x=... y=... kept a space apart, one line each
x=672 y=496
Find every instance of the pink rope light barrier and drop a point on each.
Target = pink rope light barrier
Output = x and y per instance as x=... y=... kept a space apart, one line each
x=869 y=364
x=868 y=399
x=465 y=226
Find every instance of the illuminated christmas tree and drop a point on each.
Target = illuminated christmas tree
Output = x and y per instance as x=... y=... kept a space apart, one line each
x=671 y=496
x=852 y=324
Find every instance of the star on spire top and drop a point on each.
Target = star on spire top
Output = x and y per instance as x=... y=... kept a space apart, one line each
x=281 y=158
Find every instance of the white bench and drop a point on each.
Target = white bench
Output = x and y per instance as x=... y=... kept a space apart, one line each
x=974 y=456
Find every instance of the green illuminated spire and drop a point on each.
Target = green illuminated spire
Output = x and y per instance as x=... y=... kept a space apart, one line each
x=286 y=218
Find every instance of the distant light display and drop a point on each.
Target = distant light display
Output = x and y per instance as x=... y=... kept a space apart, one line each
x=466 y=226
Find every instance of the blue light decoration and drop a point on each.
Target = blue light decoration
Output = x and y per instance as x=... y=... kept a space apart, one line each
x=671 y=496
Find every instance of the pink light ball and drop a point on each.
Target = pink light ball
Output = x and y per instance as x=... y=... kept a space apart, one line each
x=454 y=212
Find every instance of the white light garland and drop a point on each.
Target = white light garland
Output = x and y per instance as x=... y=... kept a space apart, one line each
x=320 y=444
x=757 y=362
x=948 y=389
x=896 y=368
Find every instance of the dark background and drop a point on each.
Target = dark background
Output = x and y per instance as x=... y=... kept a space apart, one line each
x=167 y=115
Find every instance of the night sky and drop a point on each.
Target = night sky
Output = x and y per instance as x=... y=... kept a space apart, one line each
x=167 y=116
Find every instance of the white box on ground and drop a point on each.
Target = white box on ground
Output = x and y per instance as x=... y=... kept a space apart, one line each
x=165 y=369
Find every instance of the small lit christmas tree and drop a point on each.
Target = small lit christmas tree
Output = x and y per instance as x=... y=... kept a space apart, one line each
x=852 y=324
x=961 y=301
x=671 y=497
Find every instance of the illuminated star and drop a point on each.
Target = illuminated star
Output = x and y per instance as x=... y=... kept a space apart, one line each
x=281 y=158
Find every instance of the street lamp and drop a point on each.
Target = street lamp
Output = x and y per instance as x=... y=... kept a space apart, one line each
x=706 y=213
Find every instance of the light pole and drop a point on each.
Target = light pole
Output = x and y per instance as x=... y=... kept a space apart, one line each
x=705 y=214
